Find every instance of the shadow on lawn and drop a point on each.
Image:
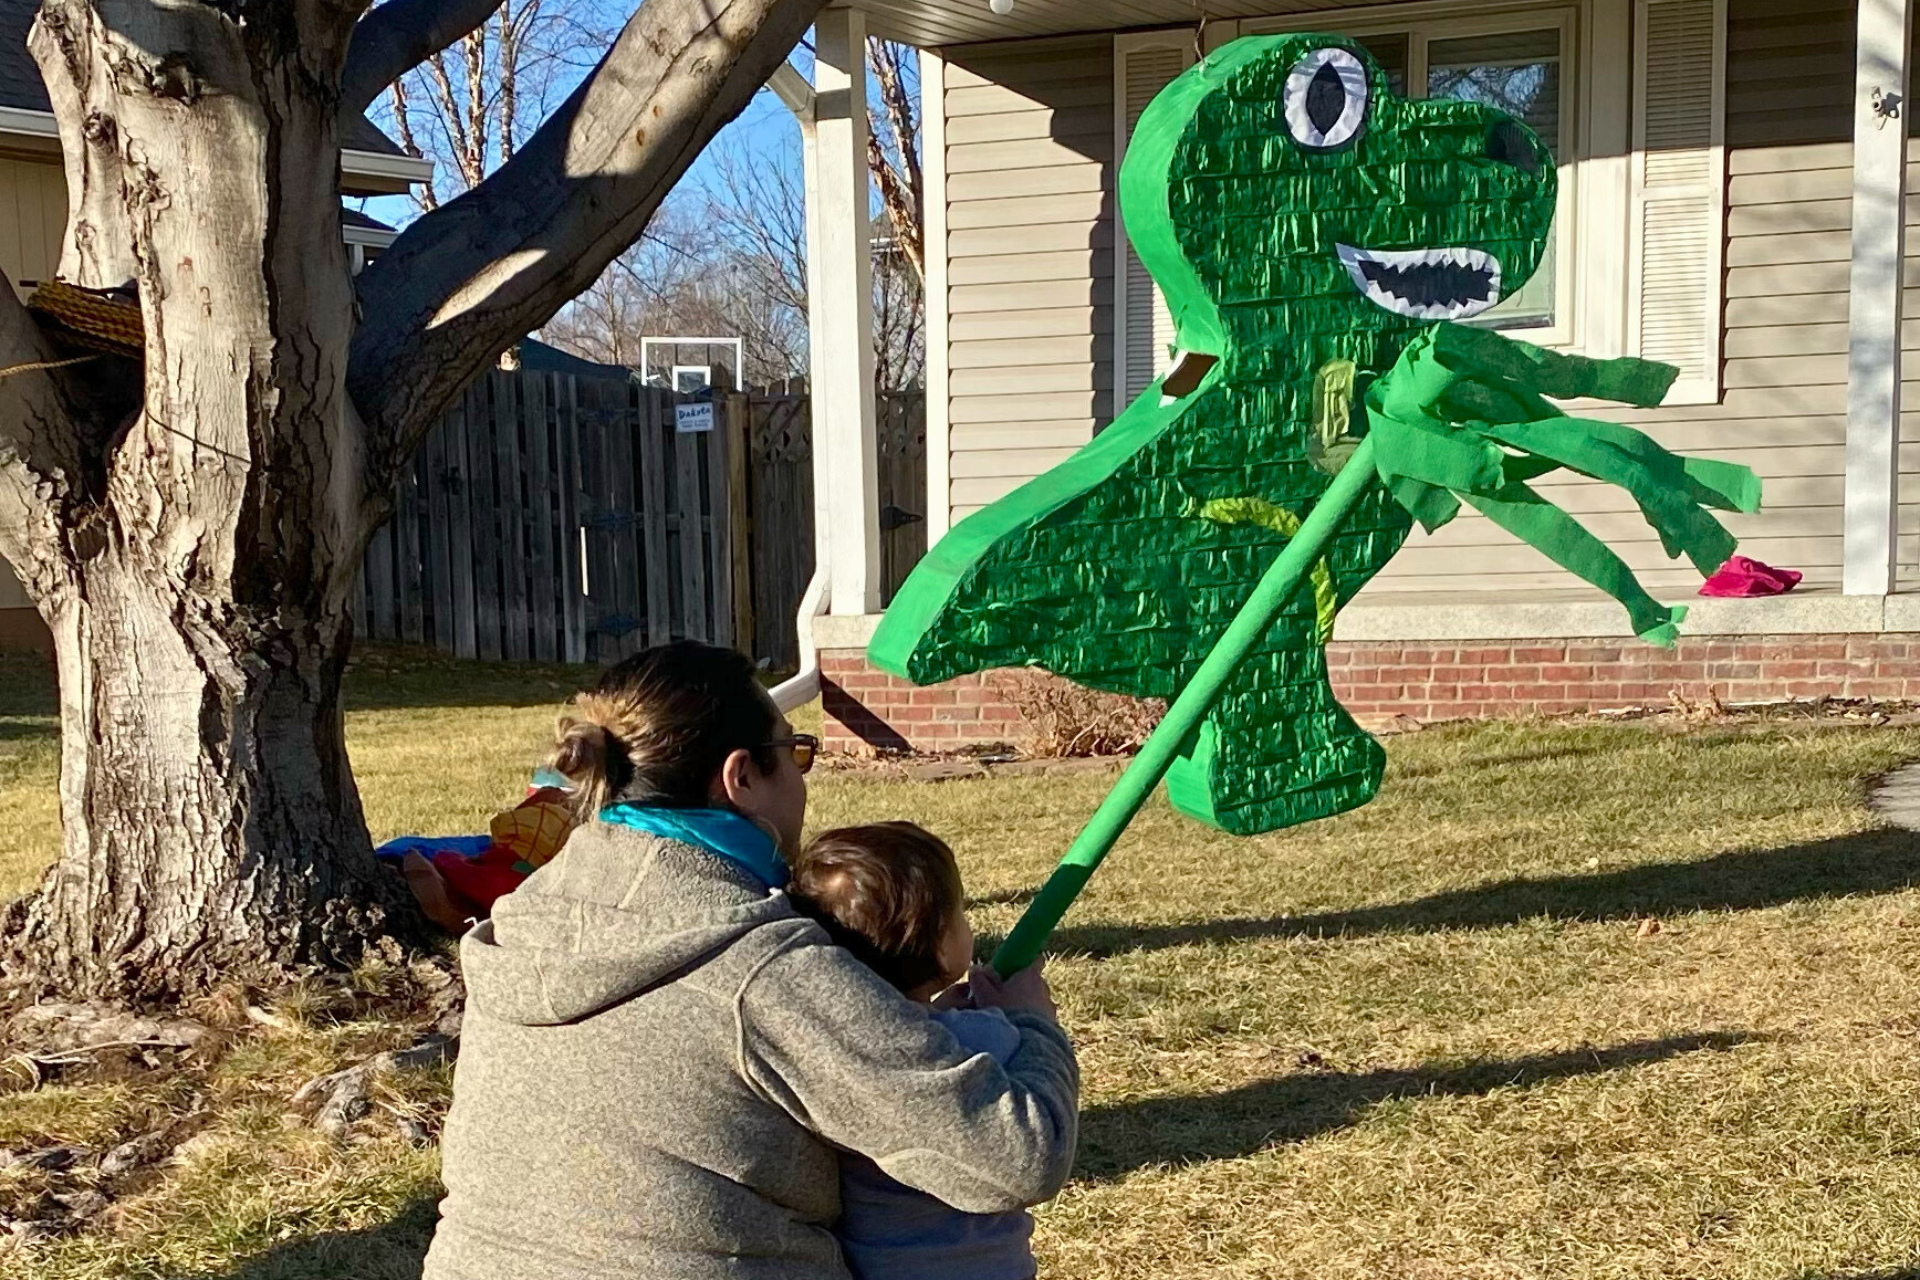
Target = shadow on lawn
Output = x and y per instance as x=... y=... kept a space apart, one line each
x=379 y=678
x=27 y=686
x=1504 y=760
x=25 y=730
x=391 y=1251
x=397 y=679
x=1870 y=862
x=1116 y=1140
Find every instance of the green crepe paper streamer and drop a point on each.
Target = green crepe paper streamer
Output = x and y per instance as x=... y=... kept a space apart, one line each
x=1534 y=520
x=1541 y=372
x=1420 y=455
x=1326 y=604
x=1682 y=526
x=1705 y=481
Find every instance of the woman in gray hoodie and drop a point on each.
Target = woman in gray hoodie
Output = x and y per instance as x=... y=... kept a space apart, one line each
x=661 y=1058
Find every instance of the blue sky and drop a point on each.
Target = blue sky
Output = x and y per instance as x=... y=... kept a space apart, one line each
x=766 y=131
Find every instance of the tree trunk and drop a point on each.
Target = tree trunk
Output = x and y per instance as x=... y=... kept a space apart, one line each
x=198 y=602
x=211 y=821
x=193 y=546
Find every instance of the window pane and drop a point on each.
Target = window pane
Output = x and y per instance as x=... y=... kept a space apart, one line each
x=1519 y=73
x=1390 y=51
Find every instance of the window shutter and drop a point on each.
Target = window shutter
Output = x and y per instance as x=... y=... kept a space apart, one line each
x=1143 y=66
x=1678 y=177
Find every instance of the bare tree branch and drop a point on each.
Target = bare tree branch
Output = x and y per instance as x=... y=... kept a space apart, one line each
x=511 y=29
x=893 y=152
x=474 y=47
x=398 y=36
x=403 y=118
x=464 y=282
x=472 y=166
x=468 y=107
x=764 y=211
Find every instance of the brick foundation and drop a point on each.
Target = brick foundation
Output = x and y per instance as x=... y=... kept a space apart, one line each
x=1428 y=680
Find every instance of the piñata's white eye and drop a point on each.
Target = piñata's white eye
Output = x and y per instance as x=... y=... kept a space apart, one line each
x=1325 y=99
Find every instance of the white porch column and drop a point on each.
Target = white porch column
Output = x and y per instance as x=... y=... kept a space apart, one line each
x=840 y=317
x=1873 y=310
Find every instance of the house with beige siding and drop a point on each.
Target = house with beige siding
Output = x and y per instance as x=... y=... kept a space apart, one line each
x=33 y=215
x=1732 y=182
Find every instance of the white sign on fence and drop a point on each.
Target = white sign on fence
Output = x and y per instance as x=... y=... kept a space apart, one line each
x=697 y=416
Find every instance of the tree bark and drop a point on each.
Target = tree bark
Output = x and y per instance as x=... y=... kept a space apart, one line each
x=398 y=36
x=197 y=588
x=211 y=821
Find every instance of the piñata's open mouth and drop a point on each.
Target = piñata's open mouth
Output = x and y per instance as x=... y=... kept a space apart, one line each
x=1425 y=284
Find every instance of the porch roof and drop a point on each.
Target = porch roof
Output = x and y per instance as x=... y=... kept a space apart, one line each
x=930 y=23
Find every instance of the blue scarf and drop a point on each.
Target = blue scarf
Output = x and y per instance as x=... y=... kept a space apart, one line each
x=718 y=831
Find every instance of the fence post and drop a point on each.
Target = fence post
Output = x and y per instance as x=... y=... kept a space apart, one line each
x=738 y=425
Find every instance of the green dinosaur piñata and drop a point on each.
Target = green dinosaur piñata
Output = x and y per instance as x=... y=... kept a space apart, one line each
x=1309 y=231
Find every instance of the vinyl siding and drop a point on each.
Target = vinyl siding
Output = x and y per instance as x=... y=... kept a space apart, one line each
x=33 y=217
x=1783 y=410
x=1029 y=154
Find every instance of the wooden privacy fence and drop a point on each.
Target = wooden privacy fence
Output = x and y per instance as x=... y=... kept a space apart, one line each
x=558 y=518
x=780 y=485
x=780 y=490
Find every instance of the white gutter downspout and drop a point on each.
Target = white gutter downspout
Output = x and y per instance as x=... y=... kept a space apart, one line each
x=805 y=686
x=793 y=89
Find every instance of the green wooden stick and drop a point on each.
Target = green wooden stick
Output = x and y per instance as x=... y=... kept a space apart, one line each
x=1275 y=588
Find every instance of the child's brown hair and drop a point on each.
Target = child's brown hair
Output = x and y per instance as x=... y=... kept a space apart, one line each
x=886 y=892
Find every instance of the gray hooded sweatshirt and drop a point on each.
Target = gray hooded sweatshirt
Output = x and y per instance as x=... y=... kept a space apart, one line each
x=660 y=1059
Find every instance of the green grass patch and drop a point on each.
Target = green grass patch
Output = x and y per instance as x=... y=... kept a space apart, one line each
x=1433 y=1038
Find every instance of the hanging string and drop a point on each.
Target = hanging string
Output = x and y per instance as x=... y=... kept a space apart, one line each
x=37 y=365
x=1200 y=31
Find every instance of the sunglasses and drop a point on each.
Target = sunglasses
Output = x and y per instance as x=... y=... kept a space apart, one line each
x=804 y=745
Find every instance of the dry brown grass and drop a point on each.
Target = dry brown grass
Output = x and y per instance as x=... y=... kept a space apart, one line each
x=1427 y=1039
x=1060 y=719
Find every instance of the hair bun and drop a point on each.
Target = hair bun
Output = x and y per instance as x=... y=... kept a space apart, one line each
x=581 y=749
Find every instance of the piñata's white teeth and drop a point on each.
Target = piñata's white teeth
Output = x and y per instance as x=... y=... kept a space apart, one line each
x=1425 y=284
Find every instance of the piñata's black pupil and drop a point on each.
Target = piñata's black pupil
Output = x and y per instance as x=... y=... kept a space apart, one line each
x=1326 y=98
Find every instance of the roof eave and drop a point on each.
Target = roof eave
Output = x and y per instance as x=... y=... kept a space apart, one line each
x=371 y=165
x=363 y=172
x=28 y=124
x=371 y=237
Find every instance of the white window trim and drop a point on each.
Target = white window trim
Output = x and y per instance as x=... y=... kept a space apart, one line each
x=1605 y=128
x=1568 y=330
